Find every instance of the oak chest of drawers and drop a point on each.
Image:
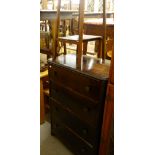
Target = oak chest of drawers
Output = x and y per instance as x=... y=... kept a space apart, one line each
x=77 y=97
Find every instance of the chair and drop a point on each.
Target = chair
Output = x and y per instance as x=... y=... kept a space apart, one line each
x=81 y=41
x=45 y=43
x=75 y=40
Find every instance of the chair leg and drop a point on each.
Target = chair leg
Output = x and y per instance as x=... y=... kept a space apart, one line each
x=77 y=49
x=85 y=47
x=65 y=48
x=99 y=54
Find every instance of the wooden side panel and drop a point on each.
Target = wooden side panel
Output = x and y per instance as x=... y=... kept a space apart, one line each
x=106 y=142
x=107 y=120
x=111 y=75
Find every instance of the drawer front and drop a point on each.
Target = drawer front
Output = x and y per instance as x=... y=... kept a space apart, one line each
x=77 y=82
x=90 y=134
x=85 y=111
x=71 y=139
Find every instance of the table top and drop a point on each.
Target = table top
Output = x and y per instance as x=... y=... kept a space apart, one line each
x=55 y=11
x=109 y=21
x=95 y=14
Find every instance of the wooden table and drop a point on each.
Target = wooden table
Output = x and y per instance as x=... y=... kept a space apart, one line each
x=95 y=27
x=95 y=14
x=69 y=14
x=42 y=106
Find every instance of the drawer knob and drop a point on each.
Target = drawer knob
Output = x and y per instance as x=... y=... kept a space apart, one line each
x=85 y=109
x=84 y=131
x=55 y=125
x=87 y=88
x=54 y=90
x=83 y=150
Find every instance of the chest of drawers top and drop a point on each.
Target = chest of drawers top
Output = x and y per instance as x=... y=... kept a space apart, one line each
x=89 y=66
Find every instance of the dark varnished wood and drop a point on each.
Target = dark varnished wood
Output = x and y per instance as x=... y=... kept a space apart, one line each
x=90 y=88
x=81 y=109
x=76 y=92
x=74 y=141
x=89 y=66
x=77 y=97
x=69 y=118
x=107 y=121
x=107 y=132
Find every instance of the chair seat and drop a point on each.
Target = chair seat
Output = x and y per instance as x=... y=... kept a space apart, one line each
x=75 y=38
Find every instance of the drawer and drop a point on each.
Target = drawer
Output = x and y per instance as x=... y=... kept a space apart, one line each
x=77 y=82
x=74 y=142
x=88 y=133
x=72 y=93
x=83 y=110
